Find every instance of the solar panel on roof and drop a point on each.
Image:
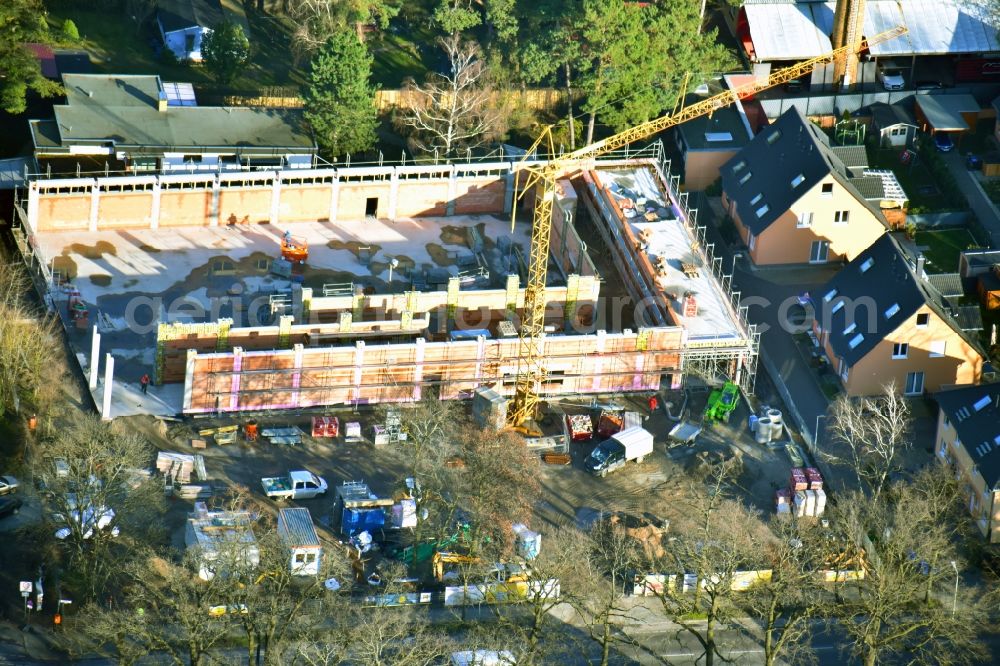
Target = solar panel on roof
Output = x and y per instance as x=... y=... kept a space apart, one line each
x=180 y=94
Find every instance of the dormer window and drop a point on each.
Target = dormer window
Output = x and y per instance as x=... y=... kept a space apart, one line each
x=773 y=137
x=850 y=329
x=762 y=211
x=798 y=180
x=757 y=199
x=866 y=264
x=838 y=306
x=982 y=403
x=830 y=295
x=739 y=166
x=893 y=309
x=745 y=177
x=856 y=340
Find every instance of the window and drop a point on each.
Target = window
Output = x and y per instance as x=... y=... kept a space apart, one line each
x=922 y=319
x=982 y=403
x=805 y=220
x=914 y=383
x=893 y=309
x=827 y=189
x=751 y=241
x=745 y=177
x=840 y=216
x=937 y=348
x=866 y=264
x=850 y=329
x=189 y=43
x=773 y=137
x=756 y=200
x=310 y=558
x=739 y=166
x=838 y=306
x=844 y=369
x=900 y=349
x=762 y=211
x=798 y=180
x=856 y=340
x=819 y=252
x=300 y=558
x=830 y=295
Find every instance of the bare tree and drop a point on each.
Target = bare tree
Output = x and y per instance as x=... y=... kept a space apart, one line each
x=883 y=612
x=95 y=490
x=876 y=431
x=316 y=20
x=452 y=111
x=786 y=603
x=106 y=632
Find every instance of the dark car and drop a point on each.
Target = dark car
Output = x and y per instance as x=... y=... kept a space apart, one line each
x=943 y=142
x=929 y=84
x=9 y=506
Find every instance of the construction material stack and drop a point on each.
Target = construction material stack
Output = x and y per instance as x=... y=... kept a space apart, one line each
x=804 y=495
x=581 y=427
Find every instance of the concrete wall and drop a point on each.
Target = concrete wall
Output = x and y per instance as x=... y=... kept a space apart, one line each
x=701 y=167
x=785 y=242
x=980 y=501
x=360 y=373
x=269 y=196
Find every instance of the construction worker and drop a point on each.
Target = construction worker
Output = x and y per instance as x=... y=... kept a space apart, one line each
x=654 y=402
x=144 y=383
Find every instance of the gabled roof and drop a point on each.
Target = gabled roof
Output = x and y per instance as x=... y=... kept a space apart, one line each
x=783 y=162
x=974 y=412
x=879 y=291
x=182 y=14
x=855 y=158
x=876 y=284
x=889 y=115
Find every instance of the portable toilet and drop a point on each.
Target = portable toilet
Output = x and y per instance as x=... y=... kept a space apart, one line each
x=297 y=532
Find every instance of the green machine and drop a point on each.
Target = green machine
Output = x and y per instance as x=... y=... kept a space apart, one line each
x=721 y=403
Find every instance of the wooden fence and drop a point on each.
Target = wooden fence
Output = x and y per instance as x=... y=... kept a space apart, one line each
x=533 y=99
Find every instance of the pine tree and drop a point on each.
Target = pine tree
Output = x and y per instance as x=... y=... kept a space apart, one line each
x=340 y=100
x=226 y=51
x=21 y=21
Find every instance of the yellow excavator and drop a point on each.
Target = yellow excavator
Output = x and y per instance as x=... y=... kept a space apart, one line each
x=542 y=180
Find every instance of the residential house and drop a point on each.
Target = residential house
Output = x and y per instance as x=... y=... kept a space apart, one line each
x=968 y=439
x=878 y=322
x=894 y=124
x=140 y=123
x=793 y=199
x=184 y=23
x=708 y=142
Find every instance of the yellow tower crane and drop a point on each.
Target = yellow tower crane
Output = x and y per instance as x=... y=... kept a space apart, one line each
x=542 y=180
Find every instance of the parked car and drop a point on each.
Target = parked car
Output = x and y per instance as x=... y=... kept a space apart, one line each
x=632 y=444
x=8 y=484
x=796 y=85
x=9 y=506
x=928 y=84
x=973 y=162
x=298 y=484
x=891 y=77
x=943 y=142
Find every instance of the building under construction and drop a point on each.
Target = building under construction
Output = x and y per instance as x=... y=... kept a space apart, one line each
x=414 y=278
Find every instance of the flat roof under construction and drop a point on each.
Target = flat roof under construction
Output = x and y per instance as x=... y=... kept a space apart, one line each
x=668 y=237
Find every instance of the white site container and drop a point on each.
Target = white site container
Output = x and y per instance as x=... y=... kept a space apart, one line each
x=297 y=532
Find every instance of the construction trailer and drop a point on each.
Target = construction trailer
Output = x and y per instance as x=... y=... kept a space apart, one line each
x=222 y=539
x=298 y=533
x=361 y=342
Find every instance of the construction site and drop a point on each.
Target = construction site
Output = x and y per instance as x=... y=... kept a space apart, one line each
x=359 y=285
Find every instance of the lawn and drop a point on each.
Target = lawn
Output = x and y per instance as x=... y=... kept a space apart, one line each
x=941 y=248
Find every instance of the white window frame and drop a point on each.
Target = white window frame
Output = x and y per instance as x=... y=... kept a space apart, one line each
x=823 y=192
x=926 y=316
x=751 y=240
x=897 y=346
x=939 y=348
x=826 y=255
x=841 y=216
x=805 y=220
x=917 y=389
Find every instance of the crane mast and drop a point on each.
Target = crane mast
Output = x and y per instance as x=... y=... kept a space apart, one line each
x=542 y=180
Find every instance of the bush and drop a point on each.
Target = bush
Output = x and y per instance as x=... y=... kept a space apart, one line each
x=69 y=30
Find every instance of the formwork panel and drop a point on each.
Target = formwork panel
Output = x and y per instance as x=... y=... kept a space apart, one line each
x=124 y=211
x=236 y=204
x=63 y=213
x=185 y=209
x=304 y=203
x=421 y=198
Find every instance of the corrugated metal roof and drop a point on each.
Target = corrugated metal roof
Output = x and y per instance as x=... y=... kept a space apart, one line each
x=295 y=525
x=944 y=112
x=789 y=30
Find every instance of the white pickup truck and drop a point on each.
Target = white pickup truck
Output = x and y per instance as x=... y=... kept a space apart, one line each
x=299 y=484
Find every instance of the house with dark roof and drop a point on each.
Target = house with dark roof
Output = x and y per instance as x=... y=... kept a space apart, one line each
x=793 y=199
x=184 y=23
x=140 y=123
x=968 y=440
x=879 y=323
x=708 y=142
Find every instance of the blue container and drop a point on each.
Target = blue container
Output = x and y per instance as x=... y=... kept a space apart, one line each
x=753 y=422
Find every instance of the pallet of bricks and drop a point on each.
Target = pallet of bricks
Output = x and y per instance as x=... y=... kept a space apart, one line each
x=184 y=475
x=804 y=495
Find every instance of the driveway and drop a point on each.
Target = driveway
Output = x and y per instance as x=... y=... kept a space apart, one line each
x=981 y=206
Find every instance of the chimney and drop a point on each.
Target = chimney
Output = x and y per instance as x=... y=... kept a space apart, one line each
x=161 y=102
x=920 y=267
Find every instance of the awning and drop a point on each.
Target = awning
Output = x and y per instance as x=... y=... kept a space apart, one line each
x=944 y=112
